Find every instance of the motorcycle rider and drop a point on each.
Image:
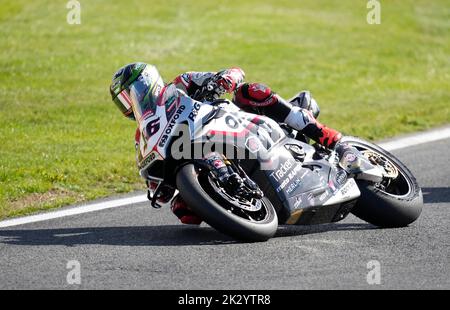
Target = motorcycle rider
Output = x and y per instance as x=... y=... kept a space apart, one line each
x=137 y=86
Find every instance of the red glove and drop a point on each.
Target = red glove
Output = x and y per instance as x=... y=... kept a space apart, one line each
x=229 y=79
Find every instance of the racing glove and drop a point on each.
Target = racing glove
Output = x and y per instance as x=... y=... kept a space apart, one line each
x=225 y=81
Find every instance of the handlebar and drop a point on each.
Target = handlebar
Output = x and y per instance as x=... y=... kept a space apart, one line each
x=219 y=101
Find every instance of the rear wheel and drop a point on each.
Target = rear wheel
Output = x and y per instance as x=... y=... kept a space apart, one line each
x=243 y=219
x=396 y=201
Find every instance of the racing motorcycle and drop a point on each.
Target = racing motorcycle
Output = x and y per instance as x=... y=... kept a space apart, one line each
x=298 y=183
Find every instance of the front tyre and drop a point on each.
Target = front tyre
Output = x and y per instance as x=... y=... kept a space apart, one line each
x=201 y=196
x=396 y=201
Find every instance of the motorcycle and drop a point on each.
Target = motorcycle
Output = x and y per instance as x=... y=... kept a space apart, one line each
x=300 y=183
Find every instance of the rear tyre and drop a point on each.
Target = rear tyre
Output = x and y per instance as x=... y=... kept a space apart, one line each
x=396 y=205
x=235 y=222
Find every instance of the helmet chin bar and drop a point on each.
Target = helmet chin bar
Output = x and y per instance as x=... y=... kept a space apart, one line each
x=123 y=102
x=125 y=99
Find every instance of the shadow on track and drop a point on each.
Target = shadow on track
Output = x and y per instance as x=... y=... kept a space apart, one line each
x=292 y=230
x=436 y=194
x=164 y=235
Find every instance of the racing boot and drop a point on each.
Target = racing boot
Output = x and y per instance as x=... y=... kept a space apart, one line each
x=300 y=113
x=304 y=121
x=182 y=211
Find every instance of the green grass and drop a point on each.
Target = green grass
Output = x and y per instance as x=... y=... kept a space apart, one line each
x=62 y=140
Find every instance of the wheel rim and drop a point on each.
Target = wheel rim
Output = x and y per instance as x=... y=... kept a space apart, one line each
x=254 y=211
x=396 y=182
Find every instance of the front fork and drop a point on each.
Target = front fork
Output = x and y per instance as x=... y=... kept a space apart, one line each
x=219 y=165
x=231 y=176
x=222 y=169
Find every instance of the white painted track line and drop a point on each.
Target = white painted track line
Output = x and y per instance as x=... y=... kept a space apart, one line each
x=74 y=211
x=416 y=139
x=400 y=143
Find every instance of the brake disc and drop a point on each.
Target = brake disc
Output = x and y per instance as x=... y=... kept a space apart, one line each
x=237 y=201
x=377 y=159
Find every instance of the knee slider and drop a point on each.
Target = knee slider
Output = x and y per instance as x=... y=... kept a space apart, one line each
x=299 y=118
x=306 y=101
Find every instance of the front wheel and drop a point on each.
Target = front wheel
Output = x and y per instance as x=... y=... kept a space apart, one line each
x=397 y=201
x=253 y=220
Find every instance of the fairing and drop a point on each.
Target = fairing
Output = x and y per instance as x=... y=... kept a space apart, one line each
x=303 y=190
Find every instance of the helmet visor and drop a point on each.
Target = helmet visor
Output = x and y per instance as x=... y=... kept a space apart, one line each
x=144 y=91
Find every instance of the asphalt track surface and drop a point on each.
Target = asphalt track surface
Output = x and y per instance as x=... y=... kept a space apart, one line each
x=137 y=247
